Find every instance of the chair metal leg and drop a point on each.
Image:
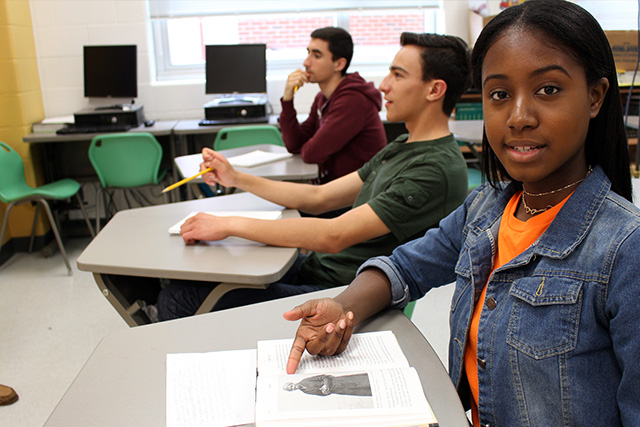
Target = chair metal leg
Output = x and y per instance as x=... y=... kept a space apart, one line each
x=84 y=214
x=98 y=194
x=107 y=199
x=56 y=234
x=125 y=193
x=5 y=222
x=33 y=227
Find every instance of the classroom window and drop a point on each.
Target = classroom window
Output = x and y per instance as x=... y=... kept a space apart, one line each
x=180 y=40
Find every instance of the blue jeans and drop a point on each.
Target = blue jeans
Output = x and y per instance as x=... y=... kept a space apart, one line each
x=182 y=298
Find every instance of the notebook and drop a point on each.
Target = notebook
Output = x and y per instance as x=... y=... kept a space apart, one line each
x=257 y=158
x=175 y=229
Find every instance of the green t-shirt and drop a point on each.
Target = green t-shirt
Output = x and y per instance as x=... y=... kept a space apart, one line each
x=411 y=187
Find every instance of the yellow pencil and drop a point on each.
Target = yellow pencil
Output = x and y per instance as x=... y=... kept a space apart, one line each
x=295 y=88
x=179 y=183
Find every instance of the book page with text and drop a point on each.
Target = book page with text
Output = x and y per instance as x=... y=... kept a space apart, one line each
x=367 y=350
x=211 y=389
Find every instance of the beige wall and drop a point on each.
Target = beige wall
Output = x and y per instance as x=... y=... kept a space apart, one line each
x=20 y=101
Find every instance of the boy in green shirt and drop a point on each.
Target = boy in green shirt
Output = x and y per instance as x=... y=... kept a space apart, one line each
x=404 y=190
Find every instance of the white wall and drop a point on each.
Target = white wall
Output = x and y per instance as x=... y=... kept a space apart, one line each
x=63 y=27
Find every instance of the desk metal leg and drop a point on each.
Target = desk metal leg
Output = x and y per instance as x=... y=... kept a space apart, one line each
x=131 y=313
x=219 y=291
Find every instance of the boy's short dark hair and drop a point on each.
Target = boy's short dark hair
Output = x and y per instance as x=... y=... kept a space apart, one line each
x=446 y=58
x=340 y=43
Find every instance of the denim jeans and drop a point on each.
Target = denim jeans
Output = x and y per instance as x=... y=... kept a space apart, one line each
x=182 y=298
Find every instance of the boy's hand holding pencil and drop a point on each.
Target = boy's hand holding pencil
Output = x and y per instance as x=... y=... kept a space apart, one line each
x=184 y=181
x=223 y=172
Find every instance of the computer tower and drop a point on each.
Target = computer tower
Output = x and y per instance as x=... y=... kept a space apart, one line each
x=237 y=110
x=127 y=115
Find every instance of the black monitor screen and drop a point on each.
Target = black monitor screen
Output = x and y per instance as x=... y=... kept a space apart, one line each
x=239 y=68
x=110 y=71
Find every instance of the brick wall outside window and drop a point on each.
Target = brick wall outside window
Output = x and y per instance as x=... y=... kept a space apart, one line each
x=294 y=32
x=383 y=29
x=281 y=33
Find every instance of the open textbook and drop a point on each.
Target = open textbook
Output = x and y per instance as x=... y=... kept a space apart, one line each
x=369 y=384
x=175 y=228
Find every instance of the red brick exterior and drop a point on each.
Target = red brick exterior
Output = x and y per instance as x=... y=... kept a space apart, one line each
x=291 y=31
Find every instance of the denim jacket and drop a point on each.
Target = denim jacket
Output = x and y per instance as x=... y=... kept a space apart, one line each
x=559 y=335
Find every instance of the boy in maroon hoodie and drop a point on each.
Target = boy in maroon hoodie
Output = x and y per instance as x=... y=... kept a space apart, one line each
x=343 y=130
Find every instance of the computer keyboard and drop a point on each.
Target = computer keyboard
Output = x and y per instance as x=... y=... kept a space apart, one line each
x=234 y=121
x=93 y=129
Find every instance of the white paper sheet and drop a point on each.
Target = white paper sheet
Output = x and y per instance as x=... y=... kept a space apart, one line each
x=175 y=228
x=257 y=158
x=214 y=389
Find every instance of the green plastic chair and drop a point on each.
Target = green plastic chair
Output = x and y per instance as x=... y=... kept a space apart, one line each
x=244 y=136
x=408 y=309
x=475 y=178
x=475 y=175
x=14 y=190
x=125 y=161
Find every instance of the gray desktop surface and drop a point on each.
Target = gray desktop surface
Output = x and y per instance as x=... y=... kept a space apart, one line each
x=136 y=242
x=160 y=128
x=291 y=169
x=123 y=382
x=193 y=127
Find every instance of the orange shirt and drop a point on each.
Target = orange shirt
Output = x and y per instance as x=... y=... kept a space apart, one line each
x=514 y=237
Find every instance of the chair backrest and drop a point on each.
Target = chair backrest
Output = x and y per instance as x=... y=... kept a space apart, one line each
x=125 y=160
x=11 y=173
x=243 y=136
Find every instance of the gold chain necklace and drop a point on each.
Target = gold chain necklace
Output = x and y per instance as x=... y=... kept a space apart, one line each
x=559 y=189
x=533 y=211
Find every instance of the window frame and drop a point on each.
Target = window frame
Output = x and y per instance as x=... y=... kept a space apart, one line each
x=165 y=71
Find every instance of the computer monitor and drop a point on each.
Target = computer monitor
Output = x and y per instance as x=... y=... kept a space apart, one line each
x=111 y=71
x=236 y=69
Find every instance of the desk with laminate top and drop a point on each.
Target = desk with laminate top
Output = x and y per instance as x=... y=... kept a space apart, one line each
x=136 y=243
x=66 y=156
x=124 y=381
x=467 y=130
x=159 y=128
x=185 y=129
x=289 y=169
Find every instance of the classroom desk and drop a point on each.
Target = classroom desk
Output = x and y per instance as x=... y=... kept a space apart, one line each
x=136 y=242
x=185 y=129
x=124 y=381
x=160 y=128
x=291 y=169
x=66 y=155
x=632 y=122
x=467 y=130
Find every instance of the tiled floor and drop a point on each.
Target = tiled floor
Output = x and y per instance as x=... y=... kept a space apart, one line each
x=51 y=322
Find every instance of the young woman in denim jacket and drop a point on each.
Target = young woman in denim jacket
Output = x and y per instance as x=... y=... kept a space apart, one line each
x=544 y=324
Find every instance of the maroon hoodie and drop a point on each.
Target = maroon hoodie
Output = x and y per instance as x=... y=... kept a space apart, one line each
x=342 y=133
